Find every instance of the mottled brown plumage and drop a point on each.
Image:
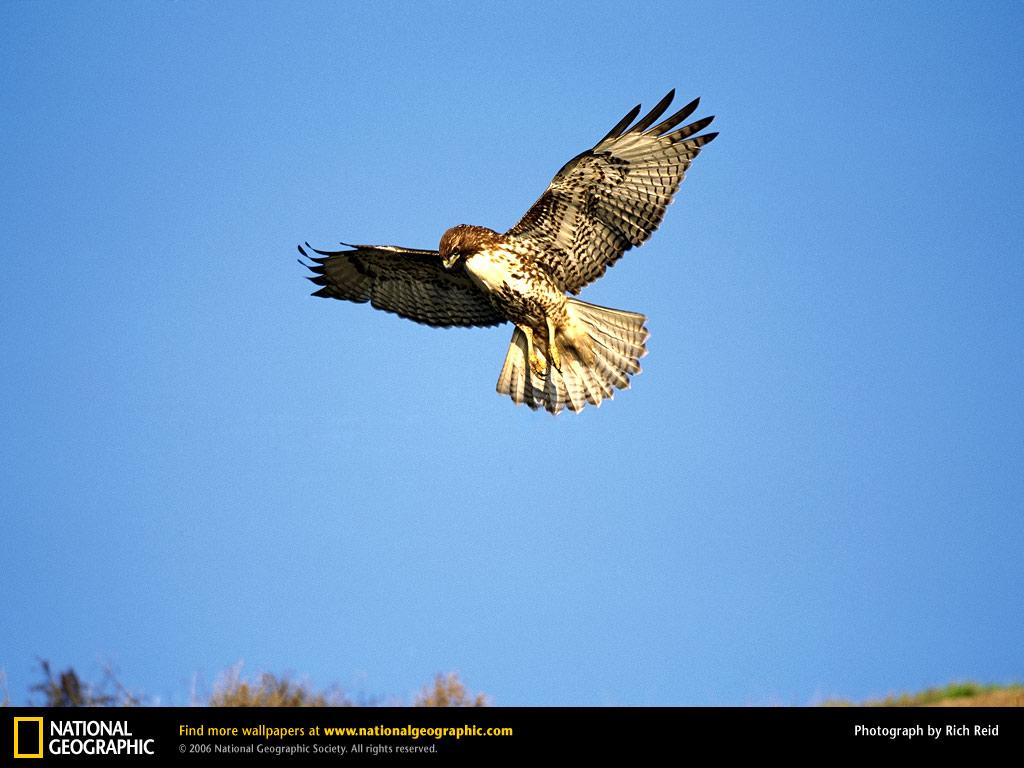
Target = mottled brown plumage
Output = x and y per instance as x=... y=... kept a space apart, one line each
x=564 y=352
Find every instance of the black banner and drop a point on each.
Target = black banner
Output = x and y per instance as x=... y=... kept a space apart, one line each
x=183 y=735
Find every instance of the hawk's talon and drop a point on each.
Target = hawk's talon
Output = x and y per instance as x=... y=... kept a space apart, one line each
x=538 y=364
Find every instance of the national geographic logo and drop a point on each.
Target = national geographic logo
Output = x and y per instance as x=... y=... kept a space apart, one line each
x=76 y=737
x=28 y=737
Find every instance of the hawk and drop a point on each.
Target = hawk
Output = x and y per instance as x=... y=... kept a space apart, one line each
x=564 y=352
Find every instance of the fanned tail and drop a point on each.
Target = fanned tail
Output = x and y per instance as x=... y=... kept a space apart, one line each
x=592 y=367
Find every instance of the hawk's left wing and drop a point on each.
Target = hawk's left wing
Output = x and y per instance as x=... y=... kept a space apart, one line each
x=612 y=197
x=407 y=281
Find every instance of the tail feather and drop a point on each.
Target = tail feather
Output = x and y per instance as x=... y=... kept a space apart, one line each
x=592 y=368
x=611 y=370
x=618 y=359
x=595 y=389
x=556 y=389
x=514 y=378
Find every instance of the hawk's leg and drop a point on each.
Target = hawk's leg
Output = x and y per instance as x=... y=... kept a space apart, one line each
x=552 y=346
x=538 y=364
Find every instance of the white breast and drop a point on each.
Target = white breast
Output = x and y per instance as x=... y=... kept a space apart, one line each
x=492 y=271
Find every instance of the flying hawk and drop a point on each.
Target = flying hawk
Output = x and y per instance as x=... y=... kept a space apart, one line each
x=564 y=352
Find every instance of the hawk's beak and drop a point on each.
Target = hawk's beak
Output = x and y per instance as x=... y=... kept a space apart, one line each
x=449 y=261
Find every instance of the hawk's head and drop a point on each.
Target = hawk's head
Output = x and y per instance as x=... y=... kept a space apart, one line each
x=461 y=242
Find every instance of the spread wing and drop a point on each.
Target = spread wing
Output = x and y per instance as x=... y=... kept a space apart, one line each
x=407 y=281
x=612 y=197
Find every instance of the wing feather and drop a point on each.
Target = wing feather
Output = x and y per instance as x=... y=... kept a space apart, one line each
x=612 y=197
x=409 y=282
x=622 y=124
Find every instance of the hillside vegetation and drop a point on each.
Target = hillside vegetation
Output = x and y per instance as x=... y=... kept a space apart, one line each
x=67 y=689
x=964 y=694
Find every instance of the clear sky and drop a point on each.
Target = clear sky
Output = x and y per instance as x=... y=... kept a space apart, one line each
x=816 y=487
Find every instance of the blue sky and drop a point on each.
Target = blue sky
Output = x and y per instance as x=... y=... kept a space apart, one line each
x=814 y=489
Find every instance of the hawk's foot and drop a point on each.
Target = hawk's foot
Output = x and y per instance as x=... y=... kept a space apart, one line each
x=538 y=364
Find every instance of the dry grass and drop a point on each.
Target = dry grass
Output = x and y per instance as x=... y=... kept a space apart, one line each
x=448 y=691
x=68 y=689
x=270 y=691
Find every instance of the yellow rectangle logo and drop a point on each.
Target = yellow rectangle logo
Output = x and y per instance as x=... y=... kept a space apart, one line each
x=37 y=746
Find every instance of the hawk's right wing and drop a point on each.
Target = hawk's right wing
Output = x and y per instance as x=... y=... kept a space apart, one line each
x=410 y=282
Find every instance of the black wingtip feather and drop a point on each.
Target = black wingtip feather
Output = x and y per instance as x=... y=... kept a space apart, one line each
x=671 y=122
x=318 y=263
x=654 y=114
x=317 y=250
x=692 y=128
x=622 y=124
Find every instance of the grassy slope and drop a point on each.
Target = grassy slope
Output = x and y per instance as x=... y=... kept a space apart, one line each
x=952 y=695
